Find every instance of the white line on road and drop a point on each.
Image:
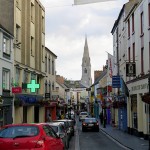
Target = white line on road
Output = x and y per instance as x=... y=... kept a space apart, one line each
x=77 y=146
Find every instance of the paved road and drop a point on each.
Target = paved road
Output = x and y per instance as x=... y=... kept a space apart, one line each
x=96 y=141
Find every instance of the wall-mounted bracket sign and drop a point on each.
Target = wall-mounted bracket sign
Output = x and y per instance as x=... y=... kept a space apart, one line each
x=33 y=86
x=130 y=69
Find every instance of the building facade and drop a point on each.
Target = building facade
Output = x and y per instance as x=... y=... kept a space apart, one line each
x=138 y=52
x=29 y=60
x=6 y=60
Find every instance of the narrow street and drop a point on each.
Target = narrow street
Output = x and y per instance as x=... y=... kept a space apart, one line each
x=92 y=140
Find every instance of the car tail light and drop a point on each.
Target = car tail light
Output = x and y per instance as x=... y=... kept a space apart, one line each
x=84 y=124
x=40 y=143
x=97 y=124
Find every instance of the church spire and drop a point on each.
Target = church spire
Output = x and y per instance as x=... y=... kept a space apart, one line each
x=86 y=66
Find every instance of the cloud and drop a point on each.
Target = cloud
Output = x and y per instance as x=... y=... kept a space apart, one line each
x=66 y=27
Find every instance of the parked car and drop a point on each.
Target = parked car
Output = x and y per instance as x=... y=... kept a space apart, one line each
x=71 y=126
x=59 y=128
x=83 y=115
x=67 y=130
x=90 y=124
x=29 y=136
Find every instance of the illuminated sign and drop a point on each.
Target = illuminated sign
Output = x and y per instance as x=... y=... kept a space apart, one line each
x=33 y=86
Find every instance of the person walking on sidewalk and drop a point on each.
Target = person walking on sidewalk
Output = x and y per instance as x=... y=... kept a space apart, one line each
x=101 y=117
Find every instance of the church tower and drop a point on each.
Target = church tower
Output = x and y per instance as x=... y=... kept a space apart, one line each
x=86 y=67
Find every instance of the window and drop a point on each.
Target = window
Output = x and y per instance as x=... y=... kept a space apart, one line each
x=17 y=33
x=128 y=28
x=149 y=14
x=33 y=76
x=129 y=56
x=6 y=45
x=17 y=75
x=32 y=12
x=132 y=23
x=25 y=77
x=43 y=24
x=49 y=131
x=49 y=87
x=85 y=70
x=53 y=86
x=133 y=52
x=45 y=63
x=6 y=79
x=32 y=46
x=46 y=87
x=53 y=68
x=142 y=22
x=43 y=53
x=142 y=60
x=49 y=66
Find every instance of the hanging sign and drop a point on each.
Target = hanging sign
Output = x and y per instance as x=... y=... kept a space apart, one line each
x=130 y=69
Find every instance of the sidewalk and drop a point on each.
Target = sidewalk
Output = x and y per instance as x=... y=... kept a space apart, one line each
x=130 y=141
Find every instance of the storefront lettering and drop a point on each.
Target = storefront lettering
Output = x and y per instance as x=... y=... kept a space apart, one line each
x=29 y=100
x=140 y=87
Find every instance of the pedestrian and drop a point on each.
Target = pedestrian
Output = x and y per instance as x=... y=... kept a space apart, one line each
x=101 y=117
x=49 y=119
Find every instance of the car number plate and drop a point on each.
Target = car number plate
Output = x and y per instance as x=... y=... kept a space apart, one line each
x=90 y=125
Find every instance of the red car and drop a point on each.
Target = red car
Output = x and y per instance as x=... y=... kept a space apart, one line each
x=29 y=136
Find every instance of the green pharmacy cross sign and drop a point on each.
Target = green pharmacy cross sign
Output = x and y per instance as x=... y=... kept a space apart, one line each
x=32 y=86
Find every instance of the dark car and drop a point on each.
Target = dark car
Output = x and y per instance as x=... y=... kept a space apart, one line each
x=90 y=124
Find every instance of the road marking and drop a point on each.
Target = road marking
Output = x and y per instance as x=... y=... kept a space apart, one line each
x=77 y=146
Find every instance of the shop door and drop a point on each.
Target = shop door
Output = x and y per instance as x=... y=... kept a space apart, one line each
x=36 y=114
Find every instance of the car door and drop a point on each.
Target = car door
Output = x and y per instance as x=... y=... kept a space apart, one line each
x=53 y=141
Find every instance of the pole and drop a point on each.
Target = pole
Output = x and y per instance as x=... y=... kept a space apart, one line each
x=149 y=111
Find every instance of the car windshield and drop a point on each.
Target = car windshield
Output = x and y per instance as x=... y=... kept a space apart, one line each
x=55 y=128
x=19 y=131
x=90 y=120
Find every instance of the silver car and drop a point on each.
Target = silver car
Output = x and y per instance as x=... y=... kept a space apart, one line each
x=59 y=128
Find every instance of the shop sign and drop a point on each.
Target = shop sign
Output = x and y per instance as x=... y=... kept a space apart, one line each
x=16 y=90
x=47 y=95
x=130 y=69
x=139 y=87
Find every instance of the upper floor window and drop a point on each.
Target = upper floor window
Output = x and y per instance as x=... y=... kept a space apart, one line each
x=43 y=24
x=85 y=70
x=128 y=28
x=6 y=45
x=133 y=52
x=142 y=60
x=6 y=79
x=33 y=76
x=53 y=68
x=149 y=14
x=142 y=22
x=132 y=23
x=25 y=77
x=45 y=63
x=129 y=55
x=49 y=66
x=17 y=33
x=17 y=75
x=32 y=46
x=46 y=90
x=53 y=86
x=32 y=12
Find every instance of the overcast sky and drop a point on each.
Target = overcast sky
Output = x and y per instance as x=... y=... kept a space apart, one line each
x=66 y=28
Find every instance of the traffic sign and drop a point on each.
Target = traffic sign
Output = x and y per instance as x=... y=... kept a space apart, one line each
x=116 y=82
x=16 y=90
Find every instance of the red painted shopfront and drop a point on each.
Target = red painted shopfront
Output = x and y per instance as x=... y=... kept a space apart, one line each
x=51 y=109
